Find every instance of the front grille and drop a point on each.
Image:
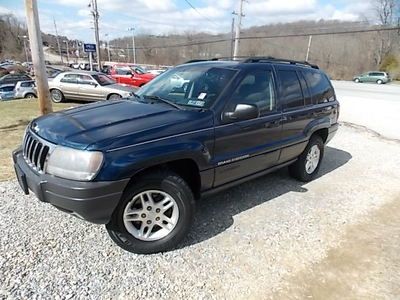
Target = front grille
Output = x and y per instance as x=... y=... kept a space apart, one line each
x=35 y=152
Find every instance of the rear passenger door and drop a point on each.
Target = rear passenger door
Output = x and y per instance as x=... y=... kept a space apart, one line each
x=69 y=86
x=295 y=115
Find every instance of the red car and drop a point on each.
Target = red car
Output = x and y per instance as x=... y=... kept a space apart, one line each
x=130 y=74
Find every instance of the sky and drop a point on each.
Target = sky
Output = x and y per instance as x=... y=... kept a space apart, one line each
x=176 y=16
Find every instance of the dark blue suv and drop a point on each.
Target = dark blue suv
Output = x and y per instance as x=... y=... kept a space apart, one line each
x=138 y=165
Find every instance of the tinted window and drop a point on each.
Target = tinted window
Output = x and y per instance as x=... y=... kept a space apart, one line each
x=7 y=89
x=376 y=74
x=306 y=91
x=291 y=92
x=318 y=83
x=256 y=88
x=70 y=78
x=27 y=84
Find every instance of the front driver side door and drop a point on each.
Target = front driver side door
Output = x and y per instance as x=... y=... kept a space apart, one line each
x=250 y=146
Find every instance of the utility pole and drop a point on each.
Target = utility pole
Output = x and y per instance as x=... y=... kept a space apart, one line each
x=238 y=25
x=133 y=43
x=95 y=14
x=36 y=44
x=232 y=33
x=58 y=41
x=108 y=46
x=24 y=37
x=309 y=46
x=127 y=52
x=66 y=42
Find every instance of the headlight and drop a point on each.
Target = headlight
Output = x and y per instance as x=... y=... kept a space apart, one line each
x=74 y=164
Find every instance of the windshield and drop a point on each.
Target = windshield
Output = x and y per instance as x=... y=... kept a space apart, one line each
x=103 y=79
x=139 y=70
x=191 y=85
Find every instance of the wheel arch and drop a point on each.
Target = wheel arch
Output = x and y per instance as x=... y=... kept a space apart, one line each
x=322 y=132
x=187 y=168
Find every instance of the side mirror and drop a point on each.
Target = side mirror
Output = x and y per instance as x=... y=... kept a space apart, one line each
x=93 y=83
x=243 y=112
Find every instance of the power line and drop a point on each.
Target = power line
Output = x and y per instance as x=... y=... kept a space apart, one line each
x=199 y=13
x=267 y=37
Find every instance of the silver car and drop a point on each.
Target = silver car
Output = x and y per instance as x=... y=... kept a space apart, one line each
x=25 y=89
x=7 y=92
x=88 y=86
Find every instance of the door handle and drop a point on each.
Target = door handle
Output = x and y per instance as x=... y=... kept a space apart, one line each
x=273 y=124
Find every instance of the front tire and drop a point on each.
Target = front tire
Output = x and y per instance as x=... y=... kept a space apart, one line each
x=114 y=97
x=357 y=80
x=379 y=81
x=30 y=96
x=56 y=96
x=308 y=163
x=154 y=215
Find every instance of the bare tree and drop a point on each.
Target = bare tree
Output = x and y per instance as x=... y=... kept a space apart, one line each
x=385 y=11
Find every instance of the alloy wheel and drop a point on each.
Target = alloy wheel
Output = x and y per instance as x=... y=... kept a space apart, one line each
x=151 y=215
x=312 y=159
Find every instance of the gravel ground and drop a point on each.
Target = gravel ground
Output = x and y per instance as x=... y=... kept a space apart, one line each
x=245 y=243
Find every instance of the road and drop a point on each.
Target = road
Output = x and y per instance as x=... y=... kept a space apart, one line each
x=375 y=106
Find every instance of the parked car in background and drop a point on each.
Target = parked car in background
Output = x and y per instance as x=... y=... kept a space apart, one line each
x=25 y=89
x=130 y=74
x=13 y=78
x=156 y=72
x=52 y=72
x=7 y=92
x=88 y=86
x=374 y=76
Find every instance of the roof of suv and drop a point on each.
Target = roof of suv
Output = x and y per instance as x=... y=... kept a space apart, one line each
x=249 y=60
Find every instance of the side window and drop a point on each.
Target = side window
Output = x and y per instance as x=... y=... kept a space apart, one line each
x=85 y=79
x=318 y=83
x=122 y=71
x=306 y=91
x=7 y=89
x=257 y=88
x=291 y=93
x=70 y=78
x=27 y=84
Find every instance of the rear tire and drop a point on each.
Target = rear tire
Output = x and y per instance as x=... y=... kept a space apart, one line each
x=137 y=209
x=308 y=163
x=379 y=81
x=57 y=96
x=357 y=80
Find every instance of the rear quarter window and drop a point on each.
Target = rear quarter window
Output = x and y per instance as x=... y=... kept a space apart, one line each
x=319 y=85
x=290 y=89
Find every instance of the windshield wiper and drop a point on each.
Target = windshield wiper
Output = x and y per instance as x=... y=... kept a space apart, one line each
x=158 y=98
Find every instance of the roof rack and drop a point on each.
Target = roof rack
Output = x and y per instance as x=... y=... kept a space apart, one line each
x=199 y=60
x=273 y=59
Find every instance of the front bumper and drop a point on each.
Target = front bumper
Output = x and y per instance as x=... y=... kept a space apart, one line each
x=91 y=201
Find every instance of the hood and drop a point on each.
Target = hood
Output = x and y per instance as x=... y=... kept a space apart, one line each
x=113 y=124
x=122 y=87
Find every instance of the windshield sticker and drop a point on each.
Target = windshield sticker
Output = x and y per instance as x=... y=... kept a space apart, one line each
x=197 y=103
x=202 y=96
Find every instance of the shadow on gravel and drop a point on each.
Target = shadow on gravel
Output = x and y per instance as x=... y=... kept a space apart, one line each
x=215 y=214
